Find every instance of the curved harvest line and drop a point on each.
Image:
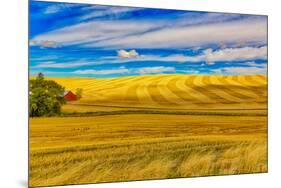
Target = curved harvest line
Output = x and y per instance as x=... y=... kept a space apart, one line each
x=187 y=92
x=143 y=93
x=223 y=92
x=238 y=90
x=200 y=86
x=167 y=93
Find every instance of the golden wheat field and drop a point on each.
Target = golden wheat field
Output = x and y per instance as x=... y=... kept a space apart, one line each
x=152 y=127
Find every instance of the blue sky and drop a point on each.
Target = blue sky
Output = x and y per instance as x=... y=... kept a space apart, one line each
x=79 y=40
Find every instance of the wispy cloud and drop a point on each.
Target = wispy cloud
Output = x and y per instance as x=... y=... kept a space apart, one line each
x=123 y=70
x=44 y=43
x=52 y=9
x=101 y=11
x=102 y=72
x=43 y=58
x=241 y=70
x=231 y=54
x=53 y=64
x=156 y=70
x=251 y=68
x=91 y=32
x=159 y=34
x=243 y=31
x=59 y=7
x=208 y=55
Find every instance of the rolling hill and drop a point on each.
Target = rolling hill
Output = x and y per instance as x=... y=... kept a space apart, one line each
x=173 y=91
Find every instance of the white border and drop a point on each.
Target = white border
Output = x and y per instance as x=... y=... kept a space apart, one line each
x=13 y=94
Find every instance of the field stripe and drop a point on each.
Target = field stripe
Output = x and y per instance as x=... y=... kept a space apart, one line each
x=155 y=93
x=258 y=91
x=167 y=93
x=239 y=91
x=124 y=83
x=114 y=84
x=246 y=81
x=221 y=91
x=101 y=83
x=254 y=80
x=263 y=79
x=200 y=86
x=114 y=93
x=235 y=91
x=131 y=91
x=143 y=93
x=198 y=91
x=177 y=85
x=201 y=97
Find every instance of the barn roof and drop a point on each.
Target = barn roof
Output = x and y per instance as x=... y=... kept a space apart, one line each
x=65 y=93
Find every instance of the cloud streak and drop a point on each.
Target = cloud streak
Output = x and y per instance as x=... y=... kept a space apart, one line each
x=159 y=34
x=102 y=72
x=44 y=43
x=53 y=64
x=230 y=54
x=242 y=31
x=124 y=70
x=208 y=55
x=241 y=70
x=156 y=70
x=246 y=68
x=112 y=12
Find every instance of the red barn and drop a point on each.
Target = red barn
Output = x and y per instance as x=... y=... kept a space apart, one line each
x=69 y=96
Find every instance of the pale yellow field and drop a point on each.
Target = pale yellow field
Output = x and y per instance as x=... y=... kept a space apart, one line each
x=153 y=127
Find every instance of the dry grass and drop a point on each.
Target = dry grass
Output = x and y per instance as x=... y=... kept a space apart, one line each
x=134 y=147
x=153 y=127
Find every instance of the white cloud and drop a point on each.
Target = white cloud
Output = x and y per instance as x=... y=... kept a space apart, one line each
x=155 y=70
x=102 y=72
x=252 y=68
x=100 y=11
x=127 y=54
x=91 y=32
x=189 y=71
x=52 y=64
x=242 y=31
x=159 y=34
x=52 y=9
x=176 y=57
x=44 y=43
x=234 y=54
x=43 y=58
x=124 y=70
x=209 y=56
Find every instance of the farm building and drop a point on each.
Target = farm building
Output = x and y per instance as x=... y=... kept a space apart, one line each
x=69 y=96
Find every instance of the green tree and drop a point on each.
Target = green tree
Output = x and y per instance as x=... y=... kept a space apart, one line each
x=45 y=97
x=79 y=93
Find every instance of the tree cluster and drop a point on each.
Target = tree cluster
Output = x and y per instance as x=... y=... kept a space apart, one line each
x=45 y=97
